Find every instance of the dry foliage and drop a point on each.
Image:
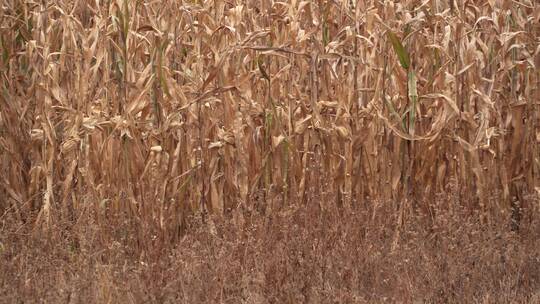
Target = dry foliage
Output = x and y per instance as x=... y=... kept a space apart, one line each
x=158 y=109
x=146 y=112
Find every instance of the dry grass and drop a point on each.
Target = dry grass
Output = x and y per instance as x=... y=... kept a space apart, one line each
x=144 y=115
x=300 y=255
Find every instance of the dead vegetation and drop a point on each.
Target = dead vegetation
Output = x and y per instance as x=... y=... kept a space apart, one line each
x=143 y=114
x=299 y=255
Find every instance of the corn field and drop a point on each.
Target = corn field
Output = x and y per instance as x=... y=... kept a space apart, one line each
x=158 y=110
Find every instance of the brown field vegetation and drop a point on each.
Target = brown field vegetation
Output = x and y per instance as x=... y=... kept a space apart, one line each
x=265 y=151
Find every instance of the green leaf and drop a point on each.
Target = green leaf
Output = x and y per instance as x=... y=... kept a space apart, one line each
x=401 y=52
x=5 y=52
x=395 y=113
x=261 y=68
x=413 y=97
x=326 y=34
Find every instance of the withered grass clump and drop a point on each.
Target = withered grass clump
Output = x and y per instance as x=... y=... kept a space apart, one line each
x=121 y=120
x=299 y=255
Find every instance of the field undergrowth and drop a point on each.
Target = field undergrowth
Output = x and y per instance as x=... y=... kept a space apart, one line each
x=298 y=255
